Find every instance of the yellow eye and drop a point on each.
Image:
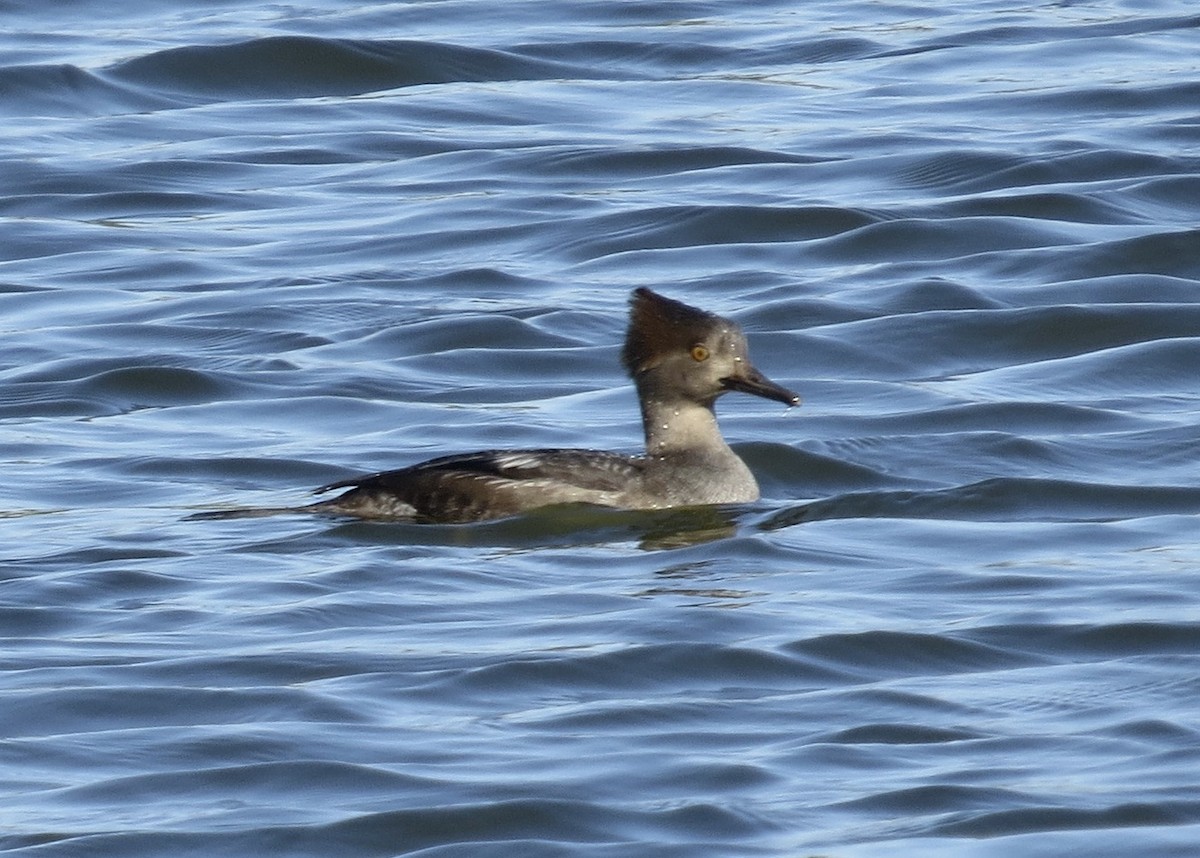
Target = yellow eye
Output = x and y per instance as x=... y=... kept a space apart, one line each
x=699 y=353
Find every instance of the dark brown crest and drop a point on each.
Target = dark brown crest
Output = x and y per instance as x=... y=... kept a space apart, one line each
x=659 y=326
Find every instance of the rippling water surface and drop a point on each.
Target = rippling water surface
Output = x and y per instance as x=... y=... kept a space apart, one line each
x=248 y=249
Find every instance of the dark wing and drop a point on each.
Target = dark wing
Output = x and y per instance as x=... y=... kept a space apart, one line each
x=489 y=484
x=591 y=469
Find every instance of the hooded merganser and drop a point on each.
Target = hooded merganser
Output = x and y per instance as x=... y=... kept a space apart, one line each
x=680 y=358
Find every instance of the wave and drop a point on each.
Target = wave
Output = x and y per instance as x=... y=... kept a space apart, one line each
x=306 y=67
x=67 y=90
x=275 y=67
x=1001 y=499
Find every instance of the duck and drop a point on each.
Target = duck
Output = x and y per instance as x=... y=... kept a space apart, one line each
x=681 y=360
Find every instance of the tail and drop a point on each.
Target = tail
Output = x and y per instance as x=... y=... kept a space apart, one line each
x=252 y=512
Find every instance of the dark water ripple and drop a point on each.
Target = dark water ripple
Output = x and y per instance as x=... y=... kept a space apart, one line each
x=249 y=249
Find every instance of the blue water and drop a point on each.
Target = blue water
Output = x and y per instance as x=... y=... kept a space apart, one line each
x=247 y=249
